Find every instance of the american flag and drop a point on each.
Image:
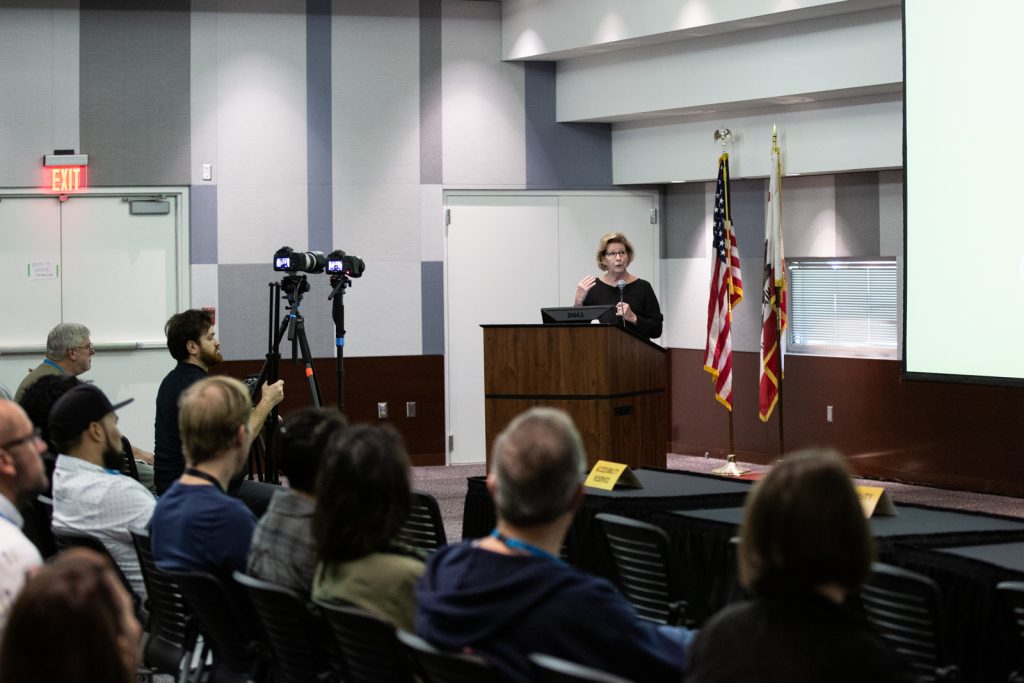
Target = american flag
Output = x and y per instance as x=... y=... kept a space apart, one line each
x=773 y=293
x=726 y=291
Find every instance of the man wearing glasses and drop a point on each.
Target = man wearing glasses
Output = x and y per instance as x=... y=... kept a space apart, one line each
x=21 y=477
x=69 y=351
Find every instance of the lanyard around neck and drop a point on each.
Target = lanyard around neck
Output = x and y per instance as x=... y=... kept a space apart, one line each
x=529 y=548
x=192 y=471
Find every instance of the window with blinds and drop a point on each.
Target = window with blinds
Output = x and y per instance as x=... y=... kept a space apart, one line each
x=842 y=307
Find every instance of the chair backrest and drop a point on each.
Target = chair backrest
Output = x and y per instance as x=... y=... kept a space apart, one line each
x=65 y=539
x=297 y=632
x=228 y=623
x=38 y=516
x=368 y=645
x=128 y=466
x=437 y=666
x=643 y=567
x=424 y=527
x=1011 y=597
x=906 y=609
x=172 y=627
x=548 y=669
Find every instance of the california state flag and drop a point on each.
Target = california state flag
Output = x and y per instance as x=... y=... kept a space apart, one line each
x=773 y=292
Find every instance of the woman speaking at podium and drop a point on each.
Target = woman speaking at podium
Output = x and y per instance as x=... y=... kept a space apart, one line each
x=636 y=306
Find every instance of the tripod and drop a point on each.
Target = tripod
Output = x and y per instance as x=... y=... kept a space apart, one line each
x=339 y=283
x=294 y=325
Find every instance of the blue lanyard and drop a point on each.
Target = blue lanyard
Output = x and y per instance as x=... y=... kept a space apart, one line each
x=47 y=361
x=516 y=544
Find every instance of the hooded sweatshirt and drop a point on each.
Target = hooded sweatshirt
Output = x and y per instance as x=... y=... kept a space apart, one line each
x=506 y=607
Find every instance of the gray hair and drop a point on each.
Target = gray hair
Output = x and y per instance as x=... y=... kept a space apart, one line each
x=63 y=337
x=537 y=461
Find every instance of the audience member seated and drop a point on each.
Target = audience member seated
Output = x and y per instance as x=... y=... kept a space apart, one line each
x=90 y=495
x=72 y=623
x=283 y=551
x=508 y=595
x=22 y=476
x=196 y=525
x=38 y=401
x=363 y=498
x=804 y=548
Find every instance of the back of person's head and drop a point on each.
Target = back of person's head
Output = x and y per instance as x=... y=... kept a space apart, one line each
x=63 y=337
x=363 y=493
x=301 y=443
x=804 y=527
x=536 y=462
x=184 y=327
x=209 y=415
x=39 y=398
x=73 y=622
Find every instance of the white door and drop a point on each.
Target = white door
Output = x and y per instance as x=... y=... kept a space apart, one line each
x=509 y=255
x=29 y=272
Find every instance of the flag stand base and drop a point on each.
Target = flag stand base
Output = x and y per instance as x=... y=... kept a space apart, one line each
x=730 y=468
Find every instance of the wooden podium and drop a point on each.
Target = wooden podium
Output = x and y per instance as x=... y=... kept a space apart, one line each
x=614 y=385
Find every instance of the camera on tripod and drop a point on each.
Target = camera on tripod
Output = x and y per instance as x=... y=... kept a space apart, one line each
x=340 y=263
x=288 y=260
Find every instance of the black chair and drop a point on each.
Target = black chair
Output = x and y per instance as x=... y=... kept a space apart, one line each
x=38 y=516
x=906 y=609
x=128 y=466
x=298 y=633
x=173 y=630
x=65 y=539
x=644 y=568
x=548 y=669
x=424 y=528
x=368 y=645
x=1011 y=597
x=228 y=624
x=437 y=666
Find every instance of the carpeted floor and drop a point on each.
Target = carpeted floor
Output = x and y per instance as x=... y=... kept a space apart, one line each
x=448 y=485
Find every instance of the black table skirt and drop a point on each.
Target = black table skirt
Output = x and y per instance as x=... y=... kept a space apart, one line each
x=663 y=489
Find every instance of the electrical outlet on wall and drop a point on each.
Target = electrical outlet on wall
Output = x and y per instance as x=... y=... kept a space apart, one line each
x=382 y=410
x=828 y=414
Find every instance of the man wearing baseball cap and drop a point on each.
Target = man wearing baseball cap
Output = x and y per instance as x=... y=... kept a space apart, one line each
x=90 y=496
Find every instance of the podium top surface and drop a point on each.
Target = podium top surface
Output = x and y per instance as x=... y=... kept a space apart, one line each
x=576 y=326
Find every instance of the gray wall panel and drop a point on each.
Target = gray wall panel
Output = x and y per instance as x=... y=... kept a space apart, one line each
x=432 y=293
x=561 y=155
x=748 y=197
x=857 y=214
x=318 y=124
x=431 y=168
x=203 y=224
x=686 y=221
x=135 y=118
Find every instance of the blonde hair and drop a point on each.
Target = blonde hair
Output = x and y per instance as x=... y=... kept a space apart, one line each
x=602 y=247
x=209 y=415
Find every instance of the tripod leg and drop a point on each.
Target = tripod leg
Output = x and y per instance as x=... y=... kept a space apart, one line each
x=307 y=357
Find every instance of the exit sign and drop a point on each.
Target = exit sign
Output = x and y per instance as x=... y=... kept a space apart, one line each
x=67 y=178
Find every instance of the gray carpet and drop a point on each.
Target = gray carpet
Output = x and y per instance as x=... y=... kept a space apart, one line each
x=448 y=485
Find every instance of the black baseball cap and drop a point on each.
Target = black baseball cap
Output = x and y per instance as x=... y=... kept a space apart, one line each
x=77 y=408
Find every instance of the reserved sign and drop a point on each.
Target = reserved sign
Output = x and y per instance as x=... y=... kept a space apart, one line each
x=607 y=474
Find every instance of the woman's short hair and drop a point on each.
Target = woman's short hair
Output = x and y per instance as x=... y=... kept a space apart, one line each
x=363 y=494
x=68 y=625
x=209 y=415
x=302 y=439
x=184 y=327
x=613 y=237
x=63 y=337
x=803 y=527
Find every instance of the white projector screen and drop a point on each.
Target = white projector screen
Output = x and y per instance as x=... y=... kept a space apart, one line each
x=963 y=156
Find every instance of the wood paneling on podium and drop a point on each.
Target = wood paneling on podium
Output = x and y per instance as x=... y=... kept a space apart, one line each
x=613 y=384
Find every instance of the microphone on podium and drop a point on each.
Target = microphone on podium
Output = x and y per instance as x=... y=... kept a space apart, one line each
x=621 y=284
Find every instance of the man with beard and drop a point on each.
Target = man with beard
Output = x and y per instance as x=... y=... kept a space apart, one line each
x=192 y=342
x=21 y=477
x=90 y=496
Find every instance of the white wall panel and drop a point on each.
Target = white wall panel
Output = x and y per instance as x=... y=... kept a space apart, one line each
x=483 y=129
x=378 y=222
x=809 y=216
x=203 y=96
x=375 y=82
x=204 y=285
x=686 y=288
x=828 y=139
x=382 y=311
x=254 y=221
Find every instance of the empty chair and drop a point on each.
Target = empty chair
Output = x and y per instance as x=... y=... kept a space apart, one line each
x=424 y=527
x=1011 y=596
x=173 y=631
x=436 y=666
x=298 y=636
x=643 y=567
x=228 y=624
x=906 y=609
x=550 y=669
x=368 y=645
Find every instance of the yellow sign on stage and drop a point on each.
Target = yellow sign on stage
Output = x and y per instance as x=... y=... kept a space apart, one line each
x=607 y=474
x=875 y=500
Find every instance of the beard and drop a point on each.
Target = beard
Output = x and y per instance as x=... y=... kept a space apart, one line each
x=113 y=458
x=210 y=358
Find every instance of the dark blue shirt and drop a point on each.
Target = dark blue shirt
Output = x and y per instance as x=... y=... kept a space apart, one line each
x=200 y=528
x=168 y=460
